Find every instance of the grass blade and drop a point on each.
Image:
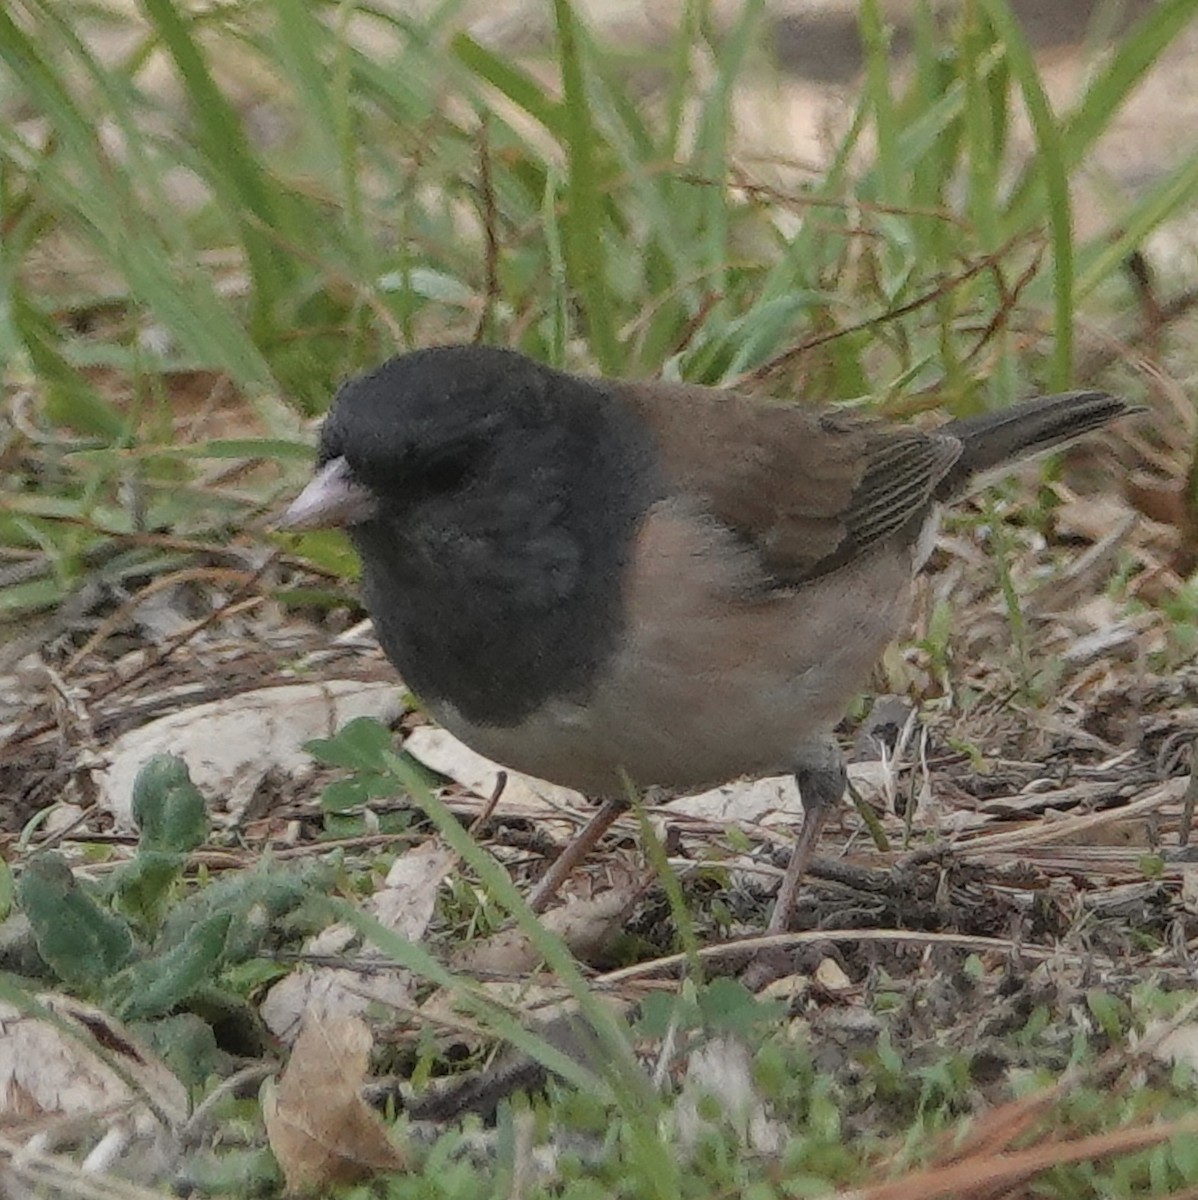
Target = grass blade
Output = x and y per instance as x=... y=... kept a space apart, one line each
x=583 y=224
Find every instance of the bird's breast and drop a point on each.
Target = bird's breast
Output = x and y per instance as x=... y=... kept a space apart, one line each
x=711 y=677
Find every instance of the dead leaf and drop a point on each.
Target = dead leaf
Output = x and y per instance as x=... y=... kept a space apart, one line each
x=506 y=952
x=229 y=745
x=320 y=1129
x=1162 y=500
x=45 y=1070
x=330 y=991
x=1084 y=576
x=404 y=904
x=831 y=977
x=522 y=794
x=771 y=801
x=586 y=926
x=787 y=989
x=722 y=1070
x=1189 y=888
x=1179 y=1045
x=1120 y=640
x=1131 y=832
x=1091 y=516
x=443 y=1008
x=407 y=899
x=750 y=802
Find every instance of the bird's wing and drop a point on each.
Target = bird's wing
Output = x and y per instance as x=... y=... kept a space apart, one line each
x=809 y=490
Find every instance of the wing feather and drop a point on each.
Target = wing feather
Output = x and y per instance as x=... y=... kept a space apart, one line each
x=808 y=490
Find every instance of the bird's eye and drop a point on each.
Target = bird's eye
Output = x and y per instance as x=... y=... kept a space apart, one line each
x=450 y=470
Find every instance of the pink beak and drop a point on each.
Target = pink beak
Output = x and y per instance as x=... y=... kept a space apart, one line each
x=333 y=498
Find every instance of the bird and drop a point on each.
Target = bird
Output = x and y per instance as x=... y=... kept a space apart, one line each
x=610 y=584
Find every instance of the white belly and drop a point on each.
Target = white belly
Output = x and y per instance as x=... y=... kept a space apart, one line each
x=708 y=685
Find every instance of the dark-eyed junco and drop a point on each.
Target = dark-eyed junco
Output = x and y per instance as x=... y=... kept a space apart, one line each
x=598 y=582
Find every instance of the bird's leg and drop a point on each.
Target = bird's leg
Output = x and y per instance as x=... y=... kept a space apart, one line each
x=820 y=774
x=576 y=850
x=821 y=777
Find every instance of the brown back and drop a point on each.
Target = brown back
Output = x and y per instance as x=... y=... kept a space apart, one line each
x=808 y=489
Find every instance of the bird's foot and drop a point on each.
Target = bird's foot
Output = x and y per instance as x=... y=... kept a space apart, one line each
x=820 y=774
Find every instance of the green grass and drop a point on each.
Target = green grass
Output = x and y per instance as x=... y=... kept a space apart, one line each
x=432 y=189
x=357 y=183
x=919 y=1071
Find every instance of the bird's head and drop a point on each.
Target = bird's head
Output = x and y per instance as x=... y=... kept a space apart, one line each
x=423 y=425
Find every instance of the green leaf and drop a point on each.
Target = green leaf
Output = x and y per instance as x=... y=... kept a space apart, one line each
x=254 y=975
x=157 y=985
x=327 y=549
x=70 y=400
x=517 y=85
x=1051 y=159
x=82 y=943
x=664 y=1013
x=233 y=168
x=342 y=795
x=168 y=808
x=143 y=886
x=187 y=1045
x=583 y=226
x=7 y=889
x=258 y=900
x=1110 y=1012
x=727 y=1005
x=157 y=776
x=362 y=744
x=269 y=448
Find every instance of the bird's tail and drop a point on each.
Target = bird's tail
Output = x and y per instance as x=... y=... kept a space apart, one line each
x=994 y=439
